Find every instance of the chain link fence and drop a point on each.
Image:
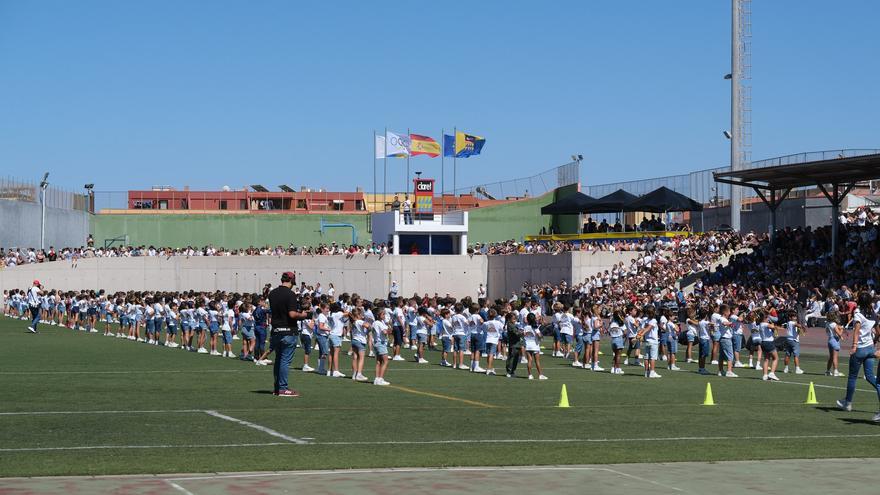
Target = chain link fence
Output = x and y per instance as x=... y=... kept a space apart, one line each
x=14 y=189
x=524 y=187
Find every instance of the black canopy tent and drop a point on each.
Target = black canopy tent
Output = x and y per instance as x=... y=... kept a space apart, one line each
x=569 y=205
x=662 y=200
x=615 y=202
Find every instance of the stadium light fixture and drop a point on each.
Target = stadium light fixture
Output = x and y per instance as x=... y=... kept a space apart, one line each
x=728 y=76
x=726 y=134
x=89 y=187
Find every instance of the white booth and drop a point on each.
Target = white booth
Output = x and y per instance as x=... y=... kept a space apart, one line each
x=436 y=234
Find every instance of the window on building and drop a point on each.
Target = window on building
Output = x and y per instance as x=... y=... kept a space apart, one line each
x=301 y=204
x=359 y=205
x=242 y=204
x=163 y=204
x=223 y=205
x=338 y=205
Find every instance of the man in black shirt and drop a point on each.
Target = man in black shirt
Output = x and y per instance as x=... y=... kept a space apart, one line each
x=286 y=313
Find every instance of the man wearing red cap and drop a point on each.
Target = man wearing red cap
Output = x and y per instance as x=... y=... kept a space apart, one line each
x=284 y=307
x=33 y=300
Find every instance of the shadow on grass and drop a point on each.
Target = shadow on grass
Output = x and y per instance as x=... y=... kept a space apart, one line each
x=264 y=392
x=858 y=421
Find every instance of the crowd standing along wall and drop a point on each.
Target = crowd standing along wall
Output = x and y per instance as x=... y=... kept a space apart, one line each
x=229 y=230
x=371 y=277
x=20 y=225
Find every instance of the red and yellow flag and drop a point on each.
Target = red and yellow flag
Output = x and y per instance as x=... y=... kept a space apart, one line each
x=423 y=145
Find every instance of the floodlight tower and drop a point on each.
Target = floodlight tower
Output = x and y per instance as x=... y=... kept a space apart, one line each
x=740 y=99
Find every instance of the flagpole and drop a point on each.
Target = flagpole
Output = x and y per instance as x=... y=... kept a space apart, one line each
x=454 y=157
x=375 y=192
x=409 y=152
x=385 y=172
x=442 y=171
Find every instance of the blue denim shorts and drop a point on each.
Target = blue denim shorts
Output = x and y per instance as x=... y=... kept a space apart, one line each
x=768 y=346
x=247 y=333
x=737 y=342
x=477 y=343
x=491 y=349
x=305 y=340
x=358 y=345
x=172 y=329
x=691 y=338
x=792 y=348
x=725 y=350
x=335 y=341
x=651 y=349
x=833 y=345
x=596 y=336
x=215 y=327
x=447 y=344
x=705 y=348
x=616 y=343
x=587 y=337
x=459 y=342
x=671 y=343
x=422 y=338
x=380 y=349
x=227 y=336
x=150 y=326
x=565 y=338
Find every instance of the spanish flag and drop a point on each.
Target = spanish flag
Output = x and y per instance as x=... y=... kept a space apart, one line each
x=423 y=145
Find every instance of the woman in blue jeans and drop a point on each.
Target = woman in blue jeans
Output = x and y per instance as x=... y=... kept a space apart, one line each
x=861 y=353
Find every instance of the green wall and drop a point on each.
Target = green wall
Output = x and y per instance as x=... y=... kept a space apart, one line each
x=489 y=224
x=232 y=231
x=508 y=221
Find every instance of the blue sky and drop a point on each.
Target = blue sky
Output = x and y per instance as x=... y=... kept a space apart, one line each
x=205 y=94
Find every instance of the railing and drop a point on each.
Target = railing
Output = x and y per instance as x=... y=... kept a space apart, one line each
x=536 y=185
x=55 y=197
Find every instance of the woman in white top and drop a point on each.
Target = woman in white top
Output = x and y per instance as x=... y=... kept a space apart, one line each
x=532 y=337
x=380 y=346
x=862 y=352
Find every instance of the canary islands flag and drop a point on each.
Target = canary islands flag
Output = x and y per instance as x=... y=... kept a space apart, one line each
x=462 y=145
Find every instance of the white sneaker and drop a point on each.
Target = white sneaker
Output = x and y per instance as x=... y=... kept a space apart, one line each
x=714 y=361
x=412 y=347
x=757 y=366
x=837 y=373
x=235 y=337
x=673 y=367
x=523 y=360
x=307 y=368
x=731 y=374
x=720 y=374
x=654 y=374
x=31 y=330
x=267 y=361
x=379 y=381
x=231 y=355
x=596 y=367
x=372 y=354
x=542 y=377
x=490 y=372
x=620 y=371
x=141 y=340
x=477 y=369
x=531 y=377
x=798 y=371
x=626 y=362
x=463 y=367
x=259 y=362
x=691 y=361
x=844 y=405
x=765 y=378
x=508 y=375
x=422 y=361
x=398 y=358
x=215 y=353
x=94 y=330
x=467 y=353
x=738 y=364
x=876 y=418
x=773 y=377
x=663 y=357
x=785 y=370
x=577 y=364
x=338 y=374
x=362 y=378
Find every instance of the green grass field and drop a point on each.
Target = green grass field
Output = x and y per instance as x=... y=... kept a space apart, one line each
x=78 y=403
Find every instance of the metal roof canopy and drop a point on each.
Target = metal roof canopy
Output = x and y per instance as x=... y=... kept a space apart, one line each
x=773 y=184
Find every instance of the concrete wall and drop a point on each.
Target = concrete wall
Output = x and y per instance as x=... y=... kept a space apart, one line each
x=508 y=273
x=20 y=225
x=370 y=277
x=508 y=221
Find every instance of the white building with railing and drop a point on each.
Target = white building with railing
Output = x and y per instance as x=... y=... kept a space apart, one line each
x=437 y=234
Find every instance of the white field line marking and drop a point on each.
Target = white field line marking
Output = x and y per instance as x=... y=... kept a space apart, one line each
x=136 y=447
x=825 y=386
x=41 y=413
x=179 y=488
x=426 y=470
x=435 y=442
x=255 y=426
